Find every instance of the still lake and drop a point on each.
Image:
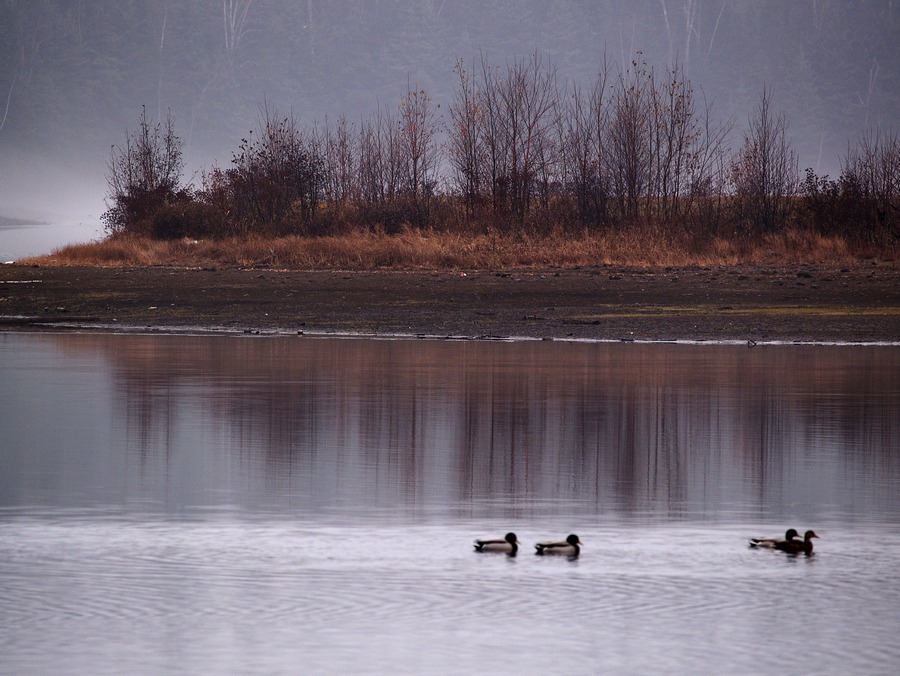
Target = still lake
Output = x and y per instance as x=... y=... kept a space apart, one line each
x=24 y=239
x=209 y=504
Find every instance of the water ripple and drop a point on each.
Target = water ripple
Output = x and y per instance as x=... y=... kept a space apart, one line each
x=630 y=600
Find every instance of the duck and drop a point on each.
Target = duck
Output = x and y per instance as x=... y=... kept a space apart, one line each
x=508 y=544
x=772 y=542
x=804 y=546
x=571 y=547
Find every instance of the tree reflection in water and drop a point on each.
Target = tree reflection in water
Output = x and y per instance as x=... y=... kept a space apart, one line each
x=505 y=427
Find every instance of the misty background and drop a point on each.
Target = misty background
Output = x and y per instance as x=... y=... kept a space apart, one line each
x=74 y=74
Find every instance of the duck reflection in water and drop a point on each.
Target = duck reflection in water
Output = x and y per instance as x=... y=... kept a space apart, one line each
x=508 y=545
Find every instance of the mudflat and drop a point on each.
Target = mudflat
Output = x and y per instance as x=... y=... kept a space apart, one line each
x=758 y=304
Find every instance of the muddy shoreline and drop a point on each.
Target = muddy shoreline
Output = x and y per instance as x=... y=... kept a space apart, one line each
x=740 y=303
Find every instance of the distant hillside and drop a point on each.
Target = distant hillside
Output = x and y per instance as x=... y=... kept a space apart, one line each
x=7 y=221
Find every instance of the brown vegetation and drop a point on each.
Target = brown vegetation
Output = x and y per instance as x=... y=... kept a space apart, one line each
x=632 y=169
x=418 y=249
x=522 y=173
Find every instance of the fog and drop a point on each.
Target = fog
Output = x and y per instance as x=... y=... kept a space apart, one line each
x=74 y=75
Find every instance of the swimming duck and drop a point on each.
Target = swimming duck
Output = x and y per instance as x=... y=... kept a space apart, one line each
x=571 y=547
x=509 y=544
x=804 y=546
x=773 y=542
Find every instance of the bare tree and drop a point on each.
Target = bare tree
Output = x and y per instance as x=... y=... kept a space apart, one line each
x=764 y=172
x=371 y=166
x=144 y=174
x=417 y=126
x=381 y=168
x=674 y=142
x=392 y=155
x=707 y=170
x=872 y=170
x=341 y=154
x=278 y=176
x=492 y=136
x=629 y=137
x=505 y=136
x=465 y=148
x=528 y=96
x=585 y=128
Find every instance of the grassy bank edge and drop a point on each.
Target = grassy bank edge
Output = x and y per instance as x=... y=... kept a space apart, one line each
x=418 y=250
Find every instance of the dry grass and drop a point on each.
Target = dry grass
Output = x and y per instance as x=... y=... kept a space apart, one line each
x=413 y=249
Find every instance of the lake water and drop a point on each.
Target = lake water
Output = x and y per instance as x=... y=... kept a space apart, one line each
x=47 y=202
x=36 y=239
x=222 y=504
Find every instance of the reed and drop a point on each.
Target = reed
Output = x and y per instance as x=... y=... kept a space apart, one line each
x=409 y=249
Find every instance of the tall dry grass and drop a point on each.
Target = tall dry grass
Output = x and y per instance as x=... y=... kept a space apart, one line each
x=415 y=249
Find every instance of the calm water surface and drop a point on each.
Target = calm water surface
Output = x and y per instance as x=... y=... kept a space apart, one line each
x=285 y=505
x=36 y=239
